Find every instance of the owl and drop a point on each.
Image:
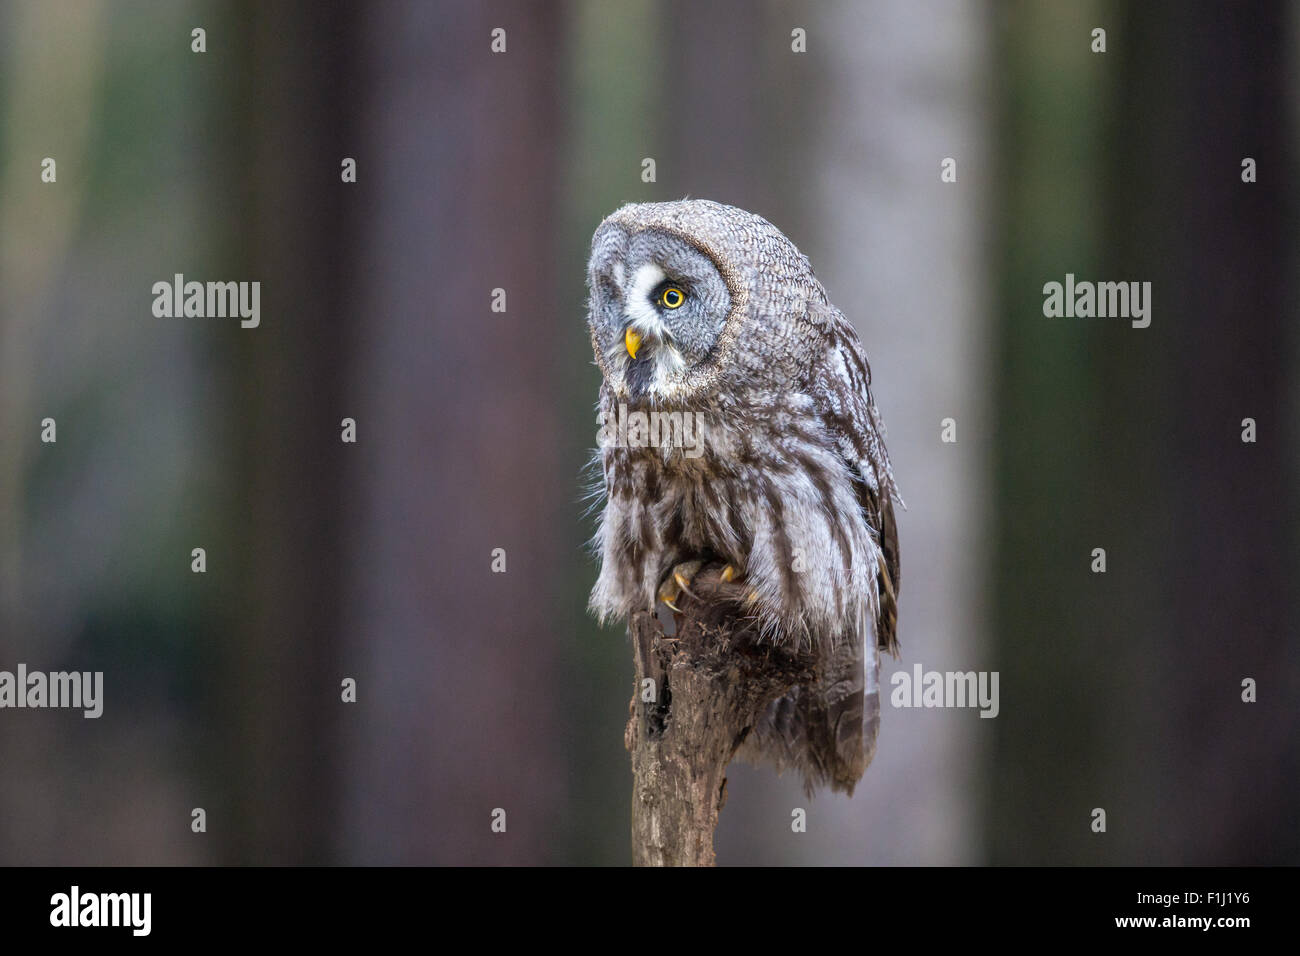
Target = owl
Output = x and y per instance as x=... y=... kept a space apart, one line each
x=707 y=315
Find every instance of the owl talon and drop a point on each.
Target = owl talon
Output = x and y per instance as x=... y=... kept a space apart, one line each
x=678 y=580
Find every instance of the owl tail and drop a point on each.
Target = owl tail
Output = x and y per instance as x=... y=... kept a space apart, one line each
x=827 y=729
x=845 y=717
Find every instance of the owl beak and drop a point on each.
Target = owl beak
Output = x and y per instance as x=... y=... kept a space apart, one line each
x=632 y=340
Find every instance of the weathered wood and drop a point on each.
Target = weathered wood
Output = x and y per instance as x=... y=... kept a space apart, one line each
x=712 y=680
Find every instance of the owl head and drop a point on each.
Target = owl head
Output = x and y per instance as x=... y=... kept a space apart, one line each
x=671 y=285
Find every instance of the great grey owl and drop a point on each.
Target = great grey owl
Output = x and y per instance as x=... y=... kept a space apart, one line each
x=709 y=311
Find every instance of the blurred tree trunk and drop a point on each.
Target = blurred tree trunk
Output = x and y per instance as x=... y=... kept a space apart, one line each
x=1202 y=87
x=277 y=709
x=458 y=667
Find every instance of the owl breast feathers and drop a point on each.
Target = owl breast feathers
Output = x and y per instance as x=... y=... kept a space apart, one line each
x=738 y=426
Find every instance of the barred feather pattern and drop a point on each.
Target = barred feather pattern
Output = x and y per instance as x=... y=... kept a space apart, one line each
x=789 y=481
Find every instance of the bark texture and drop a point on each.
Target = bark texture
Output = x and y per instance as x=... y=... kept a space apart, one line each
x=709 y=683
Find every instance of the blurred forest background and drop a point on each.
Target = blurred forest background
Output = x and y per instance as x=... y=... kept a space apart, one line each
x=479 y=171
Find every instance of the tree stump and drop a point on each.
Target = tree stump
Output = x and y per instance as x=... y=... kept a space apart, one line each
x=711 y=681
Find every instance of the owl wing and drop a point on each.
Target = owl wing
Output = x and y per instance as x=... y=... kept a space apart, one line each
x=828 y=729
x=841 y=389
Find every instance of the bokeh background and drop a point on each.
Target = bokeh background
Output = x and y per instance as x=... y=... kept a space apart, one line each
x=478 y=171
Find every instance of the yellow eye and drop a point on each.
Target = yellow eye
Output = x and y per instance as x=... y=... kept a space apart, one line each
x=672 y=297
